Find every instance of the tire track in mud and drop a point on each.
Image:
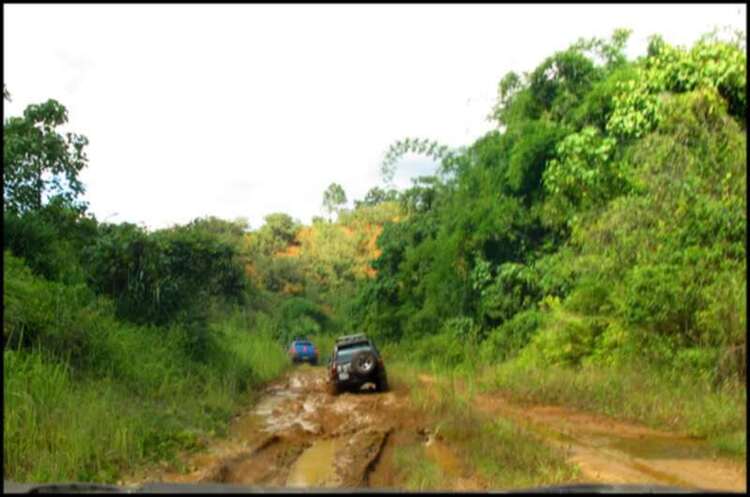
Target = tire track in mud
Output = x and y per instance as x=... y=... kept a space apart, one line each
x=299 y=435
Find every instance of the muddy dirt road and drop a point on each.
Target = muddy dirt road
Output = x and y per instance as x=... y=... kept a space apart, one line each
x=299 y=435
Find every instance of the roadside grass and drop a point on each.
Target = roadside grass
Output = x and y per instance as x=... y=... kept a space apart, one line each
x=504 y=455
x=416 y=470
x=635 y=392
x=508 y=457
x=144 y=404
x=324 y=343
x=638 y=393
x=56 y=431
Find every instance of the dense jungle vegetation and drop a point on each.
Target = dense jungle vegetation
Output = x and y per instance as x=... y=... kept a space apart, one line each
x=590 y=250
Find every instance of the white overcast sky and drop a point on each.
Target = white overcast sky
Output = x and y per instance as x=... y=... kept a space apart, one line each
x=244 y=110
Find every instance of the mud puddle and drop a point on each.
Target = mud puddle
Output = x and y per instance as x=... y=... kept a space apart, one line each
x=299 y=435
x=314 y=468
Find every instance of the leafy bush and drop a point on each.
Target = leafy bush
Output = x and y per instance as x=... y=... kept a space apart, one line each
x=512 y=290
x=590 y=297
x=438 y=350
x=513 y=335
x=660 y=298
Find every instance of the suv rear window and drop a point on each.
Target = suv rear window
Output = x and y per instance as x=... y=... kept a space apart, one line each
x=303 y=343
x=347 y=351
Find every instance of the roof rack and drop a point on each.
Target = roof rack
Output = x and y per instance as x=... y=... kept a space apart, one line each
x=351 y=338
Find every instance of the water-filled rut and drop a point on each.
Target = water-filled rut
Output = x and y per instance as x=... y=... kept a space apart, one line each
x=299 y=435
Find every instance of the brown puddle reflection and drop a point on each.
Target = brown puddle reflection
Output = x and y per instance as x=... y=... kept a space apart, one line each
x=659 y=448
x=247 y=427
x=314 y=468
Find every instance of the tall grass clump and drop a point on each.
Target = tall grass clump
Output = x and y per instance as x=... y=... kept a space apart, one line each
x=88 y=397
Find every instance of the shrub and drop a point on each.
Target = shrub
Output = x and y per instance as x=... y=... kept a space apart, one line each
x=590 y=296
x=660 y=297
x=510 y=337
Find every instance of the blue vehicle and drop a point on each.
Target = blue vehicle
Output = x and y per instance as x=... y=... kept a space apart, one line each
x=302 y=350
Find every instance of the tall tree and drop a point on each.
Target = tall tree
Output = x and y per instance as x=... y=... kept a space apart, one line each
x=333 y=198
x=38 y=160
x=278 y=232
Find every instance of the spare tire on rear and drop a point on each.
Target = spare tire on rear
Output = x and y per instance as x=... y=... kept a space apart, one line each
x=363 y=362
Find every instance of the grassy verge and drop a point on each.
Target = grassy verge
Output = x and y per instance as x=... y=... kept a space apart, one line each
x=89 y=397
x=642 y=395
x=501 y=453
x=416 y=470
x=638 y=392
x=61 y=425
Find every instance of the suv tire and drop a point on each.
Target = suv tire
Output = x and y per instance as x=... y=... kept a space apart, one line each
x=333 y=388
x=382 y=383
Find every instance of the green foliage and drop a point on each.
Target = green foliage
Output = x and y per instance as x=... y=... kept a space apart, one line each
x=512 y=336
x=604 y=221
x=167 y=275
x=278 y=231
x=723 y=317
x=38 y=161
x=561 y=81
x=440 y=350
x=584 y=171
x=710 y=64
x=397 y=150
x=38 y=312
x=61 y=426
x=512 y=290
x=566 y=338
x=533 y=146
x=334 y=198
x=300 y=317
x=280 y=273
x=377 y=195
x=597 y=105
x=591 y=296
x=51 y=239
x=660 y=298
x=88 y=396
x=611 y=52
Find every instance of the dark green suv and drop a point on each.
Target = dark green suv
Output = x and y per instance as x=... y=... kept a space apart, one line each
x=355 y=360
